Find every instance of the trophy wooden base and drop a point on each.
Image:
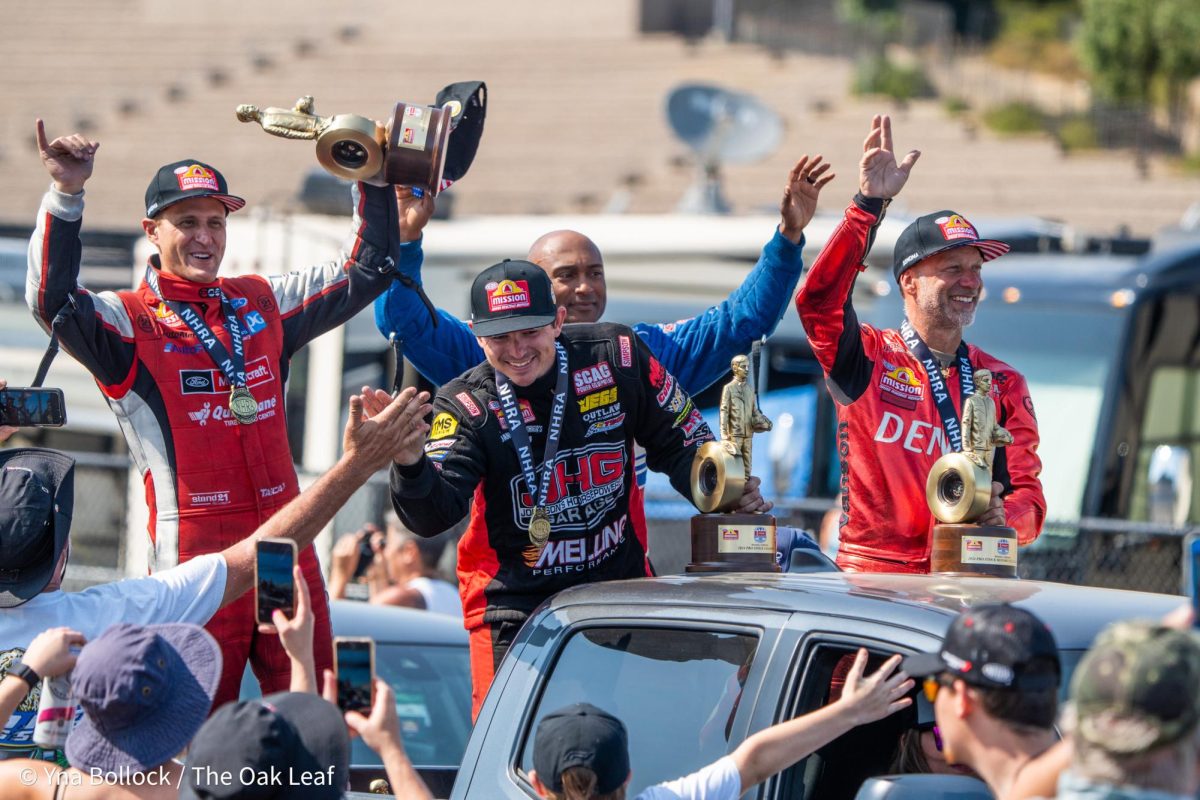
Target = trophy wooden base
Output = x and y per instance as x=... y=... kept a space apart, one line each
x=966 y=549
x=733 y=543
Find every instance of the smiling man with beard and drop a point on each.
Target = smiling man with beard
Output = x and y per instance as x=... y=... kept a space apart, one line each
x=899 y=393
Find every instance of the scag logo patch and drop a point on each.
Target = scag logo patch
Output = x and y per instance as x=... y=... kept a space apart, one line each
x=443 y=425
x=593 y=378
x=507 y=296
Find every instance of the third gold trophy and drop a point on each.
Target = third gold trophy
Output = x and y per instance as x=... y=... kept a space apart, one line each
x=959 y=490
x=723 y=541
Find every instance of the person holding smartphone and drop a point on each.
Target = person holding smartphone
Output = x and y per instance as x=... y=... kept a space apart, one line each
x=36 y=506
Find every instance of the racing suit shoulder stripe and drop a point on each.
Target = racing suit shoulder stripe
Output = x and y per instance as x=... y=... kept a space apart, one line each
x=478 y=564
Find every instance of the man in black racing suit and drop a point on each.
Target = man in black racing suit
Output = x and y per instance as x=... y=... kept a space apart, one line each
x=540 y=438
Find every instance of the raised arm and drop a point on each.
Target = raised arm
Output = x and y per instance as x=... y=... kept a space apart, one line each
x=697 y=351
x=93 y=328
x=368 y=445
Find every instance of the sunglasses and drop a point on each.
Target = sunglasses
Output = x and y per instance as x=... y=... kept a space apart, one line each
x=930 y=687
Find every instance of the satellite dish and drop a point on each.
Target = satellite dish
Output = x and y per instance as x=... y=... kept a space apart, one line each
x=720 y=126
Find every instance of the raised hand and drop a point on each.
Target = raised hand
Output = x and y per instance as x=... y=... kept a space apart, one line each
x=68 y=159
x=867 y=698
x=799 y=203
x=381 y=428
x=878 y=173
x=415 y=212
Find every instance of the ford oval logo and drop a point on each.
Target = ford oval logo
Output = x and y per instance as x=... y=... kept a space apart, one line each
x=196 y=381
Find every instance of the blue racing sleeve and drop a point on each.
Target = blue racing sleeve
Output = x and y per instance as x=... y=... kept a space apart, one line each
x=439 y=353
x=697 y=351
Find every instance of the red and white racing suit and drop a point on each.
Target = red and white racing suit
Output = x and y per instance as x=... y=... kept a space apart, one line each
x=210 y=481
x=889 y=430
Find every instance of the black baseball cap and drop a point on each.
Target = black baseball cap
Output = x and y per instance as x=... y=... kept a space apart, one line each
x=183 y=180
x=994 y=646
x=933 y=233
x=511 y=296
x=581 y=735
x=37 y=493
x=284 y=733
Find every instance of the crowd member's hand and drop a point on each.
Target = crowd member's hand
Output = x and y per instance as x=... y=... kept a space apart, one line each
x=415 y=407
x=799 y=203
x=296 y=636
x=752 y=501
x=381 y=730
x=872 y=697
x=415 y=212
x=344 y=560
x=49 y=654
x=878 y=173
x=381 y=427
x=5 y=430
x=1182 y=618
x=68 y=159
x=995 y=510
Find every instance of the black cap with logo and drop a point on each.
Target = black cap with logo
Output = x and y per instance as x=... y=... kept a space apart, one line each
x=933 y=233
x=994 y=646
x=37 y=494
x=184 y=180
x=511 y=296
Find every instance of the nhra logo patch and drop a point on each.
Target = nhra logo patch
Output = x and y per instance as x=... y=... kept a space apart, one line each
x=593 y=378
x=507 y=296
x=955 y=227
x=899 y=386
x=760 y=535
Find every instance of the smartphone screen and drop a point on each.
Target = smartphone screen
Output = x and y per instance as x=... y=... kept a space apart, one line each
x=1191 y=573
x=32 y=408
x=273 y=577
x=354 y=660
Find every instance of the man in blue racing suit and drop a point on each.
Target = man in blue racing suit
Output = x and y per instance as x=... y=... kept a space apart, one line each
x=696 y=351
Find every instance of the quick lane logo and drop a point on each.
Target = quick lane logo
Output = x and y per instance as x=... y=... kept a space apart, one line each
x=593 y=378
x=221 y=413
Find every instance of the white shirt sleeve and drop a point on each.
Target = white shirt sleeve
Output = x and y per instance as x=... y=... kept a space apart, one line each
x=190 y=592
x=718 y=781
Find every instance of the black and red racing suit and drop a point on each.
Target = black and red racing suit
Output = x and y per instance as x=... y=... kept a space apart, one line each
x=889 y=432
x=210 y=482
x=618 y=393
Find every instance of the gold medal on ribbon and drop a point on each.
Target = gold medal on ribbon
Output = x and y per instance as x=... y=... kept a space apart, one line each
x=243 y=405
x=539 y=528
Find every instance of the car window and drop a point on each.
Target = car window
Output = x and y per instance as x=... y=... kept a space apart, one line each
x=676 y=690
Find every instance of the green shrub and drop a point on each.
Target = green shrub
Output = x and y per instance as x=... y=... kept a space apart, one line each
x=881 y=76
x=954 y=106
x=1014 y=118
x=1077 y=133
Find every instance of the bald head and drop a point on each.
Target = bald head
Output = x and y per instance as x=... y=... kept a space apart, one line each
x=576 y=271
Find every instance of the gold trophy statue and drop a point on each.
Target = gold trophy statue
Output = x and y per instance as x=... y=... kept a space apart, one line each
x=721 y=541
x=409 y=150
x=959 y=489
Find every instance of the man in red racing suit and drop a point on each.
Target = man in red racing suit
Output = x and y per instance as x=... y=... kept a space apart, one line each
x=890 y=426
x=209 y=479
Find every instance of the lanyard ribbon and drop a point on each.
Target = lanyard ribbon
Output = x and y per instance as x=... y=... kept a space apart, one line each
x=937 y=384
x=233 y=367
x=520 y=436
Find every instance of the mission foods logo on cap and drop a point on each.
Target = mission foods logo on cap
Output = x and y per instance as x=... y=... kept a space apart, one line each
x=196 y=176
x=507 y=296
x=956 y=227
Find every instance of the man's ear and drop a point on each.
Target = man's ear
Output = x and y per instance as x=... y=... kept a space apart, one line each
x=908 y=283
x=560 y=317
x=150 y=226
x=965 y=699
x=538 y=786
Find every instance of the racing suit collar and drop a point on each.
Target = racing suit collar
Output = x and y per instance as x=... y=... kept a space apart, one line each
x=181 y=289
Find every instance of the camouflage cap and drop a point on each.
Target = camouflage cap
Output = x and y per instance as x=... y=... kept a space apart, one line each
x=1138 y=688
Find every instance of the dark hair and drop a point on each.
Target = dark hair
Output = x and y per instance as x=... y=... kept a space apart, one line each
x=579 y=783
x=910 y=757
x=1025 y=708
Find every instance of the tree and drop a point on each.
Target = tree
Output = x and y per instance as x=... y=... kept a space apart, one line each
x=1117 y=45
x=1176 y=29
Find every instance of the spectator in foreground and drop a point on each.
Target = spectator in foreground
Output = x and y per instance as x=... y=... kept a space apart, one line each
x=145 y=691
x=994 y=688
x=582 y=753
x=1133 y=716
